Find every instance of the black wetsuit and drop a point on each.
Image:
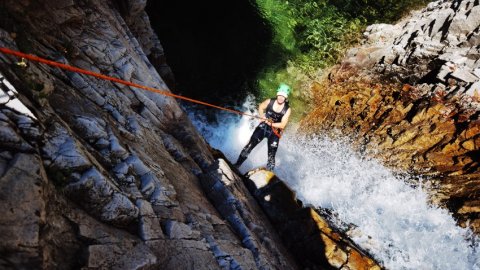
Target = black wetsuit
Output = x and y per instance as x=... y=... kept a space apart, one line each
x=265 y=131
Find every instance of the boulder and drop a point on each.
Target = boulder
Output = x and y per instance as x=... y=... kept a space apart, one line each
x=308 y=235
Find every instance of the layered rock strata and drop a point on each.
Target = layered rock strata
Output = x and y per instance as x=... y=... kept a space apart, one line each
x=97 y=175
x=410 y=95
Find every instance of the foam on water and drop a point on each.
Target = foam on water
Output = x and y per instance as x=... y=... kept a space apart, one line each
x=389 y=217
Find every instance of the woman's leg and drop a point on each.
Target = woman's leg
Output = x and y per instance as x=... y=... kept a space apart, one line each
x=256 y=138
x=273 y=141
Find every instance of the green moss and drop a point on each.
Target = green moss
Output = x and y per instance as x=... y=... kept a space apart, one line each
x=310 y=36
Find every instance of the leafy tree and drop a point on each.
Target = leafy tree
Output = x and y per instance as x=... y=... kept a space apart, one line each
x=311 y=35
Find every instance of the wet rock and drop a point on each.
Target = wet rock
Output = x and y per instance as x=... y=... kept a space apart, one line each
x=102 y=199
x=21 y=188
x=149 y=222
x=315 y=244
x=62 y=150
x=111 y=248
x=185 y=254
x=229 y=256
x=178 y=230
x=115 y=257
x=225 y=189
x=91 y=129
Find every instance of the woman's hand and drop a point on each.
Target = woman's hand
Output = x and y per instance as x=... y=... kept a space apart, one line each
x=266 y=121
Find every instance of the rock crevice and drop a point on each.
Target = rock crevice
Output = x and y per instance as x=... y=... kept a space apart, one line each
x=100 y=175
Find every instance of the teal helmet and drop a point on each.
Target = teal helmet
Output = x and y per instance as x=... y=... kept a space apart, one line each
x=283 y=90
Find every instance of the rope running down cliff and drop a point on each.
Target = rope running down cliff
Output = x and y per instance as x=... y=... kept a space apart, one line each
x=108 y=78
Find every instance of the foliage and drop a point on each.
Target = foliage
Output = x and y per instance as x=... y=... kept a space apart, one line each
x=321 y=30
x=379 y=11
x=311 y=35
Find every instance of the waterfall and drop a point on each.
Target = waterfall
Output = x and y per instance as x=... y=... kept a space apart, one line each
x=387 y=215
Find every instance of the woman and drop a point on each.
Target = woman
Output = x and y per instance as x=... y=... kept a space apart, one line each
x=275 y=113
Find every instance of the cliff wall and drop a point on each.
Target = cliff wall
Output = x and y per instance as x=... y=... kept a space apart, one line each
x=410 y=95
x=103 y=176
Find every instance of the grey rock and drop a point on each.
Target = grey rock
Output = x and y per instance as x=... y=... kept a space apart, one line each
x=87 y=88
x=118 y=161
x=445 y=70
x=473 y=90
x=4 y=160
x=102 y=199
x=91 y=128
x=138 y=166
x=220 y=184
x=114 y=256
x=21 y=188
x=464 y=76
x=119 y=210
x=149 y=222
x=121 y=168
x=8 y=134
x=185 y=254
x=116 y=149
x=102 y=143
x=477 y=72
x=11 y=137
x=63 y=151
x=178 y=230
x=439 y=20
x=462 y=25
x=229 y=256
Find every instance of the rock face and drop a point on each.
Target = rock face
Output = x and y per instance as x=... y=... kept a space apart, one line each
x=304 y=231
x=103 y=176
x=425 y=119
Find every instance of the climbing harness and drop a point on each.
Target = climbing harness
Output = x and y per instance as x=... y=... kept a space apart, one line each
x=277 y=131
x=30 y=57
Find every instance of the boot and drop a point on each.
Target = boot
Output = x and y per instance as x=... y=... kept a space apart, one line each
x=240 y=160
x=270 y=167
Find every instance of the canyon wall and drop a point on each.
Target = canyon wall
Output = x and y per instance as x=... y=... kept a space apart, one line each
x=410 y=95
x=99 y=175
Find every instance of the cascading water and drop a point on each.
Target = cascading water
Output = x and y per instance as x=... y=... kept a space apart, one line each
x=389 y=217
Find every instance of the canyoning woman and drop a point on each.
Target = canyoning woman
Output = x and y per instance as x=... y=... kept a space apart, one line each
x=275 y=113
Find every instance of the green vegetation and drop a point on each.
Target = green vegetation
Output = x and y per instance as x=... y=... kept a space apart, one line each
x=311 y=35
x=380 y=11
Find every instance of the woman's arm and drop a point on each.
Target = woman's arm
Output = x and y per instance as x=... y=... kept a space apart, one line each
x=262 y=108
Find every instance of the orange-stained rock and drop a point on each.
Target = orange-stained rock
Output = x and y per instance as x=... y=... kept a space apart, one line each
x=409 y=96
x=304 y=231
x=402 y=125
x=357 y=261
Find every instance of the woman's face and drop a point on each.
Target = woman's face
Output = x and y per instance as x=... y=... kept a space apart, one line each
x=280 y=99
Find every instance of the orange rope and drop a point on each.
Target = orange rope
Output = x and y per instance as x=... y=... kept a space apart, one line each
x=108 y=78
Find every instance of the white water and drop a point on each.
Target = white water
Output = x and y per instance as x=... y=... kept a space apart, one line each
x=391 y=219
x=8 y=98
